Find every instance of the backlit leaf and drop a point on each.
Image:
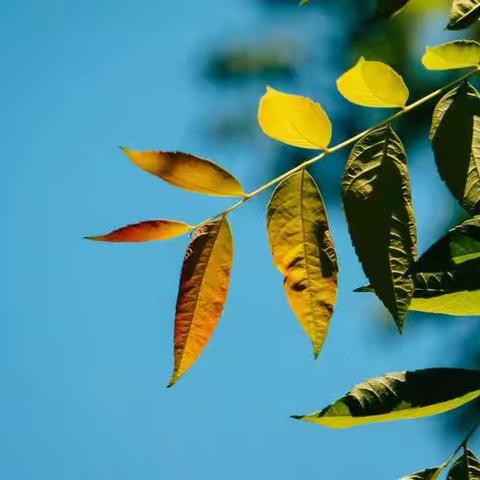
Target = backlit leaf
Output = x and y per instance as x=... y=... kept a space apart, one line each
x=202 y=293
x=389 y=8
x=400 y=396
x=456 y=54
x=467 y=467
x=187 y=171
x=463 y=14
x=145 y=231
x=294 y=120
x=378 y=205
x=303 y=251
x=373 y=84
x=428 y=474
x=455 y=136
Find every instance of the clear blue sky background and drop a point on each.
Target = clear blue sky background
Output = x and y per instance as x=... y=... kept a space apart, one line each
x=86 y=328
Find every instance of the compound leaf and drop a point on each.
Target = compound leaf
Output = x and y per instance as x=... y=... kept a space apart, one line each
x=463 y=14
x=146 y=231
x=400 y=396
x=373 y=84
x=451 y=55
x=303 y=251
x=378 y=205
x=294 y=120
x=455 y=137
x=202 y=293
x=188 y=172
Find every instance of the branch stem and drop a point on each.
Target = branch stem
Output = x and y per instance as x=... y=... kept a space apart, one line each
x=340 y=146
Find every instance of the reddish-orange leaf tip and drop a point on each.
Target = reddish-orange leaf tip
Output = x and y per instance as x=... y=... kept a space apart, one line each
x=145 y=232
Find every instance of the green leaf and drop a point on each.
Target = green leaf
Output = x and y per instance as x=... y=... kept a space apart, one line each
x=467 y=467
x=428 y=474
x=303 y=251
x=455 y=136
x=465 y=241
x=378 y=205
x=400 y=396
x=388 y=8
x=463 y=14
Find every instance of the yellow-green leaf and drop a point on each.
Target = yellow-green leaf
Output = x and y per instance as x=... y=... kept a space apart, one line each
x=187 y=171
x=464 y=241
x=373 y=84
x=303 y=251
x=455 y=137
x=427 y=474
x=378 y=205
x=294 y=120
x=467 y=467
x=463 y=14
x=456 y=54
x=400 y=396
x=202 y=293
x=147 y=231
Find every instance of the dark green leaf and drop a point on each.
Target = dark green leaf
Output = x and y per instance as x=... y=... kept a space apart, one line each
x=455 y=137
x=467 y=467
x=378 y=206
x=465 y=241
x=388 y=8
x=463 y=14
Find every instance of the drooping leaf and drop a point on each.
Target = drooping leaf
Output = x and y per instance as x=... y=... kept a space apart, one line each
x=400 y=396
x=428 y=474
x=463 y=14
x=451 y=55
x=188 y=172
x=303 y=251
x=202 y=293
x=378 y=205
x=145 y=231
x=294 y=120
x=464 y=241
x=373 y=84
x=467 y=467
x=388 y=8
x=455 y=137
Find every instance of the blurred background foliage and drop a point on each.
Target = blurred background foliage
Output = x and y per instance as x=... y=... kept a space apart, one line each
x=297 y=53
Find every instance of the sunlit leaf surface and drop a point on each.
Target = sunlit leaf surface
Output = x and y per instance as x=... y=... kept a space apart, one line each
x=463 y=14
x=303 y=251
x=294 y=120
x=428 y=474
x=202 y=293
x=400 y=396
x=456 y=54
x=187 y=171
x=373 y=84
x=378 y=205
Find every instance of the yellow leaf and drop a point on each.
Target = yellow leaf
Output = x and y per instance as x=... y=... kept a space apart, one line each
x=457 y=54
x=145 y=231
x=202 y=293
x=373 y=84
x=462 y=303
x=294 y=120
x=400 y=396
x=303 y=251
x=187 y=171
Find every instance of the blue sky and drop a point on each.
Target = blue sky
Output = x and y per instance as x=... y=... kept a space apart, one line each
x=86 y=328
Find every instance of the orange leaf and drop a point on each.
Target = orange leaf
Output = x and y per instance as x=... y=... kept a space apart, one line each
x=202 y=293
x=188 y=172
x=145 y=231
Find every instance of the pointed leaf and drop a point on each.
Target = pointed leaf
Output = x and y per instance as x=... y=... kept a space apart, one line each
x=463 y=14
x=388 y=8
x=373 y=84
x=456 y=54
x=202 y=293
x=467 y=467
x=188 y=172
x=428 y=474
x=400 y=396
x=464 y=241
x=378 y=205
x=145 y=231
x=294 y=120
x=455 y=136
x=303 y=251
